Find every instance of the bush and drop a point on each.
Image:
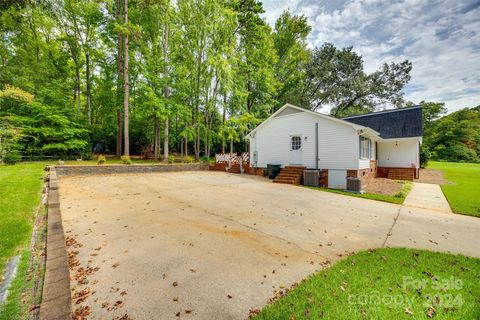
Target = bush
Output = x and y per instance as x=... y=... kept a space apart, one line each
x=101 y=159
x=126 y=160
x=425 y=156
x=171 y=159
x=12 y=156
x=456 y=153
x=188 y=159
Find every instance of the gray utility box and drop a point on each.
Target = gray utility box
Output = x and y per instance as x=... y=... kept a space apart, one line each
x=310 y=178
x=354 y=185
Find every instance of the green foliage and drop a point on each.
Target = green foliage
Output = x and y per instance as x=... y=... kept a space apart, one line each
x=44 y=132
x=193 y=67
x=171 y=159
x=425 y=156
x=455 y=137
x=101 y=159
x=126 y=160
x=188 y=159
x=406 y=188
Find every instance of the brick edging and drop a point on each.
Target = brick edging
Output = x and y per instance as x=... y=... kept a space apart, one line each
x=56 y=298
x=66 y=170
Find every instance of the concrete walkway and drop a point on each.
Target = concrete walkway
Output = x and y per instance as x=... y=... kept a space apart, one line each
x=427 y=196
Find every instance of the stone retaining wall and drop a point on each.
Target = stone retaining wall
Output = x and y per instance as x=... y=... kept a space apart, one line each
x=65 y=170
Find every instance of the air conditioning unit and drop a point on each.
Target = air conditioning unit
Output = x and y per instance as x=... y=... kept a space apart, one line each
x=310 y=178
x=354 y=185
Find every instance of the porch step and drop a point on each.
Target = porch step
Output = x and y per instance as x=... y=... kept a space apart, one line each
x=401 y=174
x=290 y=175
x=234 y=168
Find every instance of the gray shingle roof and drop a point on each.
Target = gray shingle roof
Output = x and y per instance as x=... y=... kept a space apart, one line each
x=395 y=123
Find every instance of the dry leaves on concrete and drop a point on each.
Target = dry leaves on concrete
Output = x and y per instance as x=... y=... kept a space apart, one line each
x=81 y=313
x=80 y=296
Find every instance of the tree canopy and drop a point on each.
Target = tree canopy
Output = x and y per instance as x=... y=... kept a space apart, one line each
x=185 y=76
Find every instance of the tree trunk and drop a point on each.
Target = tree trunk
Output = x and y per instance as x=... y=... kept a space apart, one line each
x=165 y=88
x=186 y=147
x=181 y=147
x=77 y=89
x=87 y=76
x=119 y=82
x=156 y=139
x=165 y=141
x=119 y=133
x=127 y=85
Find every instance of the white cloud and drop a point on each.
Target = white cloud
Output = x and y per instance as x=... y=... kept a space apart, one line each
x=441 y=38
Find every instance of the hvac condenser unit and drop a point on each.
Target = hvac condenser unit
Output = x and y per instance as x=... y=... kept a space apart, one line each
x=310 y=178
x=354 y=185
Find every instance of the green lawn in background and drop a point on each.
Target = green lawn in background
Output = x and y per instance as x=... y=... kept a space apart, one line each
x=398 y=198
x=392 y=283
x=463 y=193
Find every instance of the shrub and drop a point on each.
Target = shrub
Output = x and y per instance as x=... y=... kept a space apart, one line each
x=171 y=159
x=425 y=156
x=188 y=159
x=12 y=156
x=101 y=159
x=126 y=160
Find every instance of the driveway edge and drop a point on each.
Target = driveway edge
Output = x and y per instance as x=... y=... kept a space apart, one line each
x=56 y=299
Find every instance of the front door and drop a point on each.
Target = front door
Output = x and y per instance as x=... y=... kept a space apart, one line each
x=295 y=154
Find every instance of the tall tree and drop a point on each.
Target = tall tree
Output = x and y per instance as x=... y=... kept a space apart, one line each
x=126 y=84
x=119 y=92
x=290 y=39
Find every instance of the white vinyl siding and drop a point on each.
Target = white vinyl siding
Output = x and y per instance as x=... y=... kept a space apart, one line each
x=337 y=142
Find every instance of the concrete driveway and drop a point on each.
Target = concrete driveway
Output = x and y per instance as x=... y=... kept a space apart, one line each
x=210 y=245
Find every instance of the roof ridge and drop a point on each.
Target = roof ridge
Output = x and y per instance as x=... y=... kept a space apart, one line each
x=383 y=111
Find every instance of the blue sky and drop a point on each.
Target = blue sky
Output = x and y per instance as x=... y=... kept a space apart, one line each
x=441 y=38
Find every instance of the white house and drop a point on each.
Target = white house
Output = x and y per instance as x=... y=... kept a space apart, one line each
x=382 y=143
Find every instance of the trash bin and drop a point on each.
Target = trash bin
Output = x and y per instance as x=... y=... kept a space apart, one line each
x=273 y=170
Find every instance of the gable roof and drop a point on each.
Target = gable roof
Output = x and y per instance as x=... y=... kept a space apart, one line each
x=395 y=123
x=317 y=114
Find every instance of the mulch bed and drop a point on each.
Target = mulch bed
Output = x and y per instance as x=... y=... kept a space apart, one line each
x=383 y=186
x=432 y=176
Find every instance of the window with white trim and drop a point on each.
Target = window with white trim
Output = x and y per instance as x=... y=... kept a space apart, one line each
x=296 y=142
x=365 y=147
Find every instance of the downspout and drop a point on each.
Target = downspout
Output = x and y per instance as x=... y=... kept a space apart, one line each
x=316 y=146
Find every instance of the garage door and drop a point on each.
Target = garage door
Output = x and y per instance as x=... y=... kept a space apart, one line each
x=337 y=179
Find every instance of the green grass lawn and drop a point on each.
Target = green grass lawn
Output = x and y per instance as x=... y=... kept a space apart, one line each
x=20 y=191
x=386 y=284
x=398 y=198
x=464 y=192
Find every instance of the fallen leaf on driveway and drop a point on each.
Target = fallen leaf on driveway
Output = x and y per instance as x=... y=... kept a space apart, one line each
x=175 y=283
x=81 y=313
x=229 y=296
x=116 y=264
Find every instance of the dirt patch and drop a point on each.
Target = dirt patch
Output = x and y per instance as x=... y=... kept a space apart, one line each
x=432 y=176
x=383 y=186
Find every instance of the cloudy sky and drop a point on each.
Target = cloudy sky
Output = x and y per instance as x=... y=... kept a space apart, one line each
x=441 y=38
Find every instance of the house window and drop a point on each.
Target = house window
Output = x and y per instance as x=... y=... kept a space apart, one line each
x=365 y=147
x=296 y=142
